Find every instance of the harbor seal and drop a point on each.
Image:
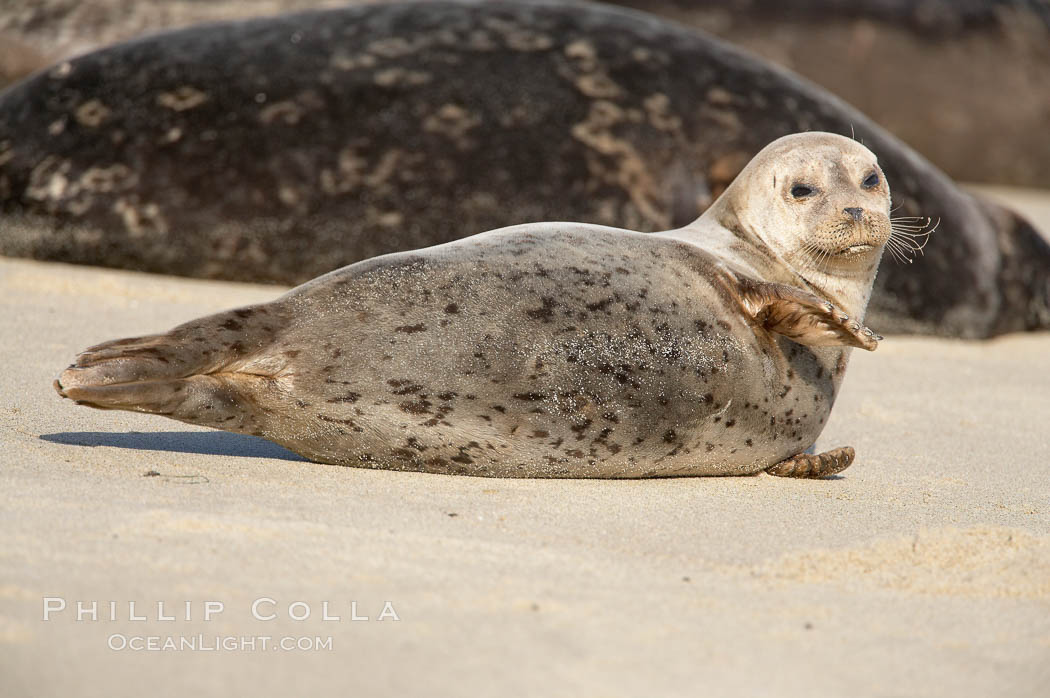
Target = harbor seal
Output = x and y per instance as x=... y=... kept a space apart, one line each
x=553 y=349
x=282 y=148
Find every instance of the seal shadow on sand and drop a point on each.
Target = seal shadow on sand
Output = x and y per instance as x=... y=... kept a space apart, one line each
x=209 y=443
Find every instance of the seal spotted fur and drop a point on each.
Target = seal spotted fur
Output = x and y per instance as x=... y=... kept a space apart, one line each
x=553 y=349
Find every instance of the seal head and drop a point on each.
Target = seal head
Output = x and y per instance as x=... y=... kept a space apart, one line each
x=810 y=209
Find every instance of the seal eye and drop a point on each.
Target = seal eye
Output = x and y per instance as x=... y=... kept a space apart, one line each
x=871 y=181
x=801 y=191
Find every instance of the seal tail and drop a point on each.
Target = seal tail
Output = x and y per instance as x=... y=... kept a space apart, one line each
x=203 y=372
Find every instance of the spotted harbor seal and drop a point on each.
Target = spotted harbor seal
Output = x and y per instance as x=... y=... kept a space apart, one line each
x=282 y=148
x=553 y=349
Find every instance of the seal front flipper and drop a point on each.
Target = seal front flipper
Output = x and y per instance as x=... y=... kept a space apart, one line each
x=802 y=316
x=814 y=465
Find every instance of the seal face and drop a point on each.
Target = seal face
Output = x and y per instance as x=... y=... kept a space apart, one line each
x=553 y=349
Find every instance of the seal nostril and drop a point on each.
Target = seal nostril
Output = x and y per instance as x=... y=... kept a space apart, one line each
x=855 y=212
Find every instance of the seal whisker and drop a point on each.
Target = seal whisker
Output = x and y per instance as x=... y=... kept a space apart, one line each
x=900 y=245
x=897 y=255
x=907 y=240
x=826 y=261
x=904 y=235
x=911 y=236
x=904 y=250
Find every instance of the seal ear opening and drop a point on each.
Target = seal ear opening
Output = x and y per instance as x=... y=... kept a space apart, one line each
x=802 y=316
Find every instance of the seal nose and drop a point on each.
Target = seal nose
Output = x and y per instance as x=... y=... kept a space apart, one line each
x=855 y=212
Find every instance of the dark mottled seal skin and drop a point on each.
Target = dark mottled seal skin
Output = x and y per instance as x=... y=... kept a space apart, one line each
x=553 y=349
x=864 y=51
x=279 y=149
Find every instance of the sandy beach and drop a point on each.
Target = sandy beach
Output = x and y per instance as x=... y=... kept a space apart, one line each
x=923 y=570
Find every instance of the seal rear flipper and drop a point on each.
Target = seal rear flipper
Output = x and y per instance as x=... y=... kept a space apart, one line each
x=207 y=400
x=203 y=372
x=802 y=316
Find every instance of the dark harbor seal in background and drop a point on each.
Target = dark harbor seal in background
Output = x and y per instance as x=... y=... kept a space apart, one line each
x=553 y=349
x=279 y=149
